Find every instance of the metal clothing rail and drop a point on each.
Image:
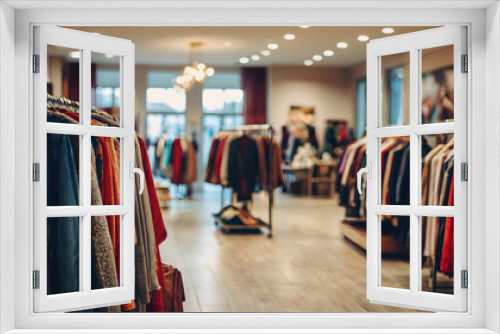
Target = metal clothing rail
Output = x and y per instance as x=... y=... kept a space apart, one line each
x=268 y=131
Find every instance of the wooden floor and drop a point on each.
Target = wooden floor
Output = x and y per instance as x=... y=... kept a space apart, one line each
x=306 y=267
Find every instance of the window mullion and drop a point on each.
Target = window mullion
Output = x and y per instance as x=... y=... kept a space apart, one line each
x=415 y=247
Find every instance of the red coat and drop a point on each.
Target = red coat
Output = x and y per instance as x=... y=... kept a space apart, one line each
x=176 y=162
x=447 y=256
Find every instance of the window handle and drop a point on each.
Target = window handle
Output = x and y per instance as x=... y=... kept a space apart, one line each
x=368 y=170
x=135 y=170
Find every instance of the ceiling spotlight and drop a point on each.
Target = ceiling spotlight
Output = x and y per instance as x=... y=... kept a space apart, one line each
x=227 y=44
x=289 y=37
x=388 y=30
x=342 y=45
x=328 y=53
x=74 y=54
x=265 y=53
x=244 y=60
x=255 y=57
x=109 y=55
x=308 y=62
x=304 y=27
x=272 y=46
x=363 y=38
x=317 y=57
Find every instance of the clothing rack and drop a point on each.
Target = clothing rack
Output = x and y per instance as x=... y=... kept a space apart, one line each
x=265 y=129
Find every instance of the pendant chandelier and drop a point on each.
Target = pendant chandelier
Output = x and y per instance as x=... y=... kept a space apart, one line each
x=196 y=72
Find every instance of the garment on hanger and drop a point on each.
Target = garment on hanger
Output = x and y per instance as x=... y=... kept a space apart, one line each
x=183 y=161
x=150 y=232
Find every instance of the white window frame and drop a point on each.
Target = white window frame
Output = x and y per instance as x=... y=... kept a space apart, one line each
x=484 y=103
x=86 y=43
x=413 y=43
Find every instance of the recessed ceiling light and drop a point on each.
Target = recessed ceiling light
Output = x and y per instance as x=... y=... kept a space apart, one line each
x=363 y=38
x=304 y=27
x=227 y=44
x=255 y=57
x=272 y=46
x=308 y=62
x=109 y=55
x=328 y=53
x=265 y=53
x=289 y=37
x=317 y=57
x=342 y=45
x=74 y=54
x=388 y=30
x=244 y=60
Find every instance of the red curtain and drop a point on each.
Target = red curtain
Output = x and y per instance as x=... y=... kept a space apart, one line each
x=254 y=85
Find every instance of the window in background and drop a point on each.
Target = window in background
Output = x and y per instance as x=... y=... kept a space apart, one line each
x=166 y=107
x=107 y=93
x=161 y=96
x=360 y=108
x=396 y=95
x=222 y=106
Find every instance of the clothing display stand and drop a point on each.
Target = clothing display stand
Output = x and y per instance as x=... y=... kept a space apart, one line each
x=266 y=130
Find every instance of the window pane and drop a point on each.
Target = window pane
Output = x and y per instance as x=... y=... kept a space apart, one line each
x=360 y=108
x=222 y=100
x=437 y=234
x=107 y=168
x=437 y=84
x=63 y=170
x=166 y=99
x=63 y=255
x=437 y=169
x=394 y=251
x=395 y=171
x=106 y=94
x=106 y=252
x=395 y=90
x=63 y=80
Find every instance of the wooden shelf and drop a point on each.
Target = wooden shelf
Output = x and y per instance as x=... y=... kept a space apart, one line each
x=355 y=231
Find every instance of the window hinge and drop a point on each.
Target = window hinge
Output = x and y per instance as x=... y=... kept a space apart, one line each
x=36 y=63
x=36 y=279
x=464 y=171
x=36 y=172
x=465 y=64
x=465 y=279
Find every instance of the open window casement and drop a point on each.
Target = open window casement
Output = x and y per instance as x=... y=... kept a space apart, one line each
x=406 y=56
x=71 y=220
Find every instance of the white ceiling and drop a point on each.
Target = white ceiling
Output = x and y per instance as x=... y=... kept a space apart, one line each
x=170 y=45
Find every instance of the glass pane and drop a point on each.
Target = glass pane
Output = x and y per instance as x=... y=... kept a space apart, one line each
x=106 y=240
x=437 y=84
x=63 y=255
x=107 y=168
x=166 y=99
x=394 y=250
x=106 y=84
x=395 y=89
x=63 y=83
x=63 y=170
x=437 y=254
x=437 y=169
x=395 y=171
x=162 y=129
x=222 y=100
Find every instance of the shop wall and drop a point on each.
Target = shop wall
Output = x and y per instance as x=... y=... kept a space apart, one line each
x=326 y=89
